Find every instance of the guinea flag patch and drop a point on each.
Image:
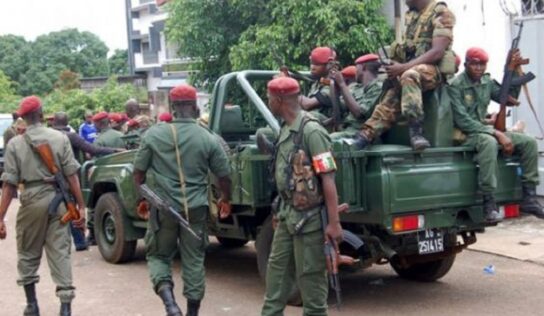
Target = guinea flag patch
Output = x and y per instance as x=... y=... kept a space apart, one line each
x=324 y=163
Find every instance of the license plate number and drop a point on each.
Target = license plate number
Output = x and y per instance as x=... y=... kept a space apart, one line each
x=430 y=241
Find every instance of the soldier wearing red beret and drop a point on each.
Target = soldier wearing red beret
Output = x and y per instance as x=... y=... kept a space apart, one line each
x=349 y=73
x=173 y=156
x=165 y=117
x=37 y=228
x=471 y=93
x=300 y=258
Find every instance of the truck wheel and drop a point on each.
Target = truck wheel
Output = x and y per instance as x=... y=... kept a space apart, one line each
x=231 y=242
x=109 y=230
x=426 y=271
x=263 y=245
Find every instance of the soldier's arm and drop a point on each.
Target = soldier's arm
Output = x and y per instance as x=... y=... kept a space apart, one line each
x=10 y=179
x=69 y=167
x=349 y=100
x=309 y=104
x=142 y=161
x=462 y=119
x=89 y=148
x=220 y=167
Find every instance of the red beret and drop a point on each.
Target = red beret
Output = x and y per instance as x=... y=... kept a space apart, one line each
x=367 y=58
x=29 y=105
x=322 y=55
x=124 y=116
x=477 y=54
x=457 y=60
x=349 y=72
x=283 y=86
x=132 y=123
x=165 y=117
x=183 y=92
x=116 y=117
x=100 y=116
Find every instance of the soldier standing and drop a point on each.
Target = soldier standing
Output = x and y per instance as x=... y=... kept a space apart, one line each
x=421 y=63
x=470 y=94
x=132 y=108
x=361 y=96
x=300 y=257
x=166 y=172
x=37 y=228
x=108 y=137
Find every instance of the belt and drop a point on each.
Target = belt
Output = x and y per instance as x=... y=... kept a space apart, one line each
x=35 y=183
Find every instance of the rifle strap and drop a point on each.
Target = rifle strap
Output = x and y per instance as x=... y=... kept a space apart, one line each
x=180 y=171
x=530 y=101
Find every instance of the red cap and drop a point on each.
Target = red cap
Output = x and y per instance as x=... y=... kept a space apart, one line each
x=165 y=117
x=132 y=123
x=349 y=72
x=183 y=92
x=367 y=58
x=116 y=117
x=322 y=55
x=100 y=116
x=124 y=116
x=29 y=105
x=477 y=54
x=283 y=86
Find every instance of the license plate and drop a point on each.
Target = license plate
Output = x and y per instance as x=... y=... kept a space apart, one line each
x=430 y=241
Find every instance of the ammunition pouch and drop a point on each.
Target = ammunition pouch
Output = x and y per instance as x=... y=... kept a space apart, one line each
x=398 y=52
x=306 y=193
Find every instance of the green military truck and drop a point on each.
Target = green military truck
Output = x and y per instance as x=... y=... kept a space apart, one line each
x=413 y=210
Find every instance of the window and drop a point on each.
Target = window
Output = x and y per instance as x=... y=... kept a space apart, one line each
x=532 y=7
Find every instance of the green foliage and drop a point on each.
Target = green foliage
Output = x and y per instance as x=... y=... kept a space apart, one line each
x=68 y=80
x=8 y=99
x=118 y=62
x=244 y=34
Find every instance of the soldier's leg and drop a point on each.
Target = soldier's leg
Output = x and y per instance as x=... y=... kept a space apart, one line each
x=384 y=115
x=192 y=253
x=312 y=272
x=487 y=149
x=527 y=148
x=280 y=273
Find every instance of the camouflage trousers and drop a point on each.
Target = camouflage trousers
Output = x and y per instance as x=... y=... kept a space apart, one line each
x=404 y=97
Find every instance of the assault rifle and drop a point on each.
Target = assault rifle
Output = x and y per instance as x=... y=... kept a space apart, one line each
x=163 y=206
x=61 y=186
x=331 y=256
x=508 y=81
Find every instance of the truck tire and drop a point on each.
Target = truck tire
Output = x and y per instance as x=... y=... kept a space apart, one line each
x=426 y=271
x=263 y=246
x=109 y=230
x=231 y=242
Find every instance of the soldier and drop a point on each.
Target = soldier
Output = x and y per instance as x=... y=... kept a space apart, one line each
x=36 y=228
x=471 y=92
x=108 y=137
x=300 y=257
x=361 y=96
x=165 y=171
x=165 y=117
x=132 y=108
x=349 y=74
x=422 y=63
x=116 y=121
x=318 y=100
x=11 y=131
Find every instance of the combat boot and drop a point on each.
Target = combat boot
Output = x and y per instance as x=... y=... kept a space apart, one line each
x=192 y=307
x=91 y=240
x=491 y=211
x=165 y=292
x=65 y=309
x=31 y=308
x=361 y=141
x=417 y=140
x=530 y=202
x=265 y=146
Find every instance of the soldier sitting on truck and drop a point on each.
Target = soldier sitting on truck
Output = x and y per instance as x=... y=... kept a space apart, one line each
x=421 y=63
x=471 y=92
x=108 y=137
x=361 y=96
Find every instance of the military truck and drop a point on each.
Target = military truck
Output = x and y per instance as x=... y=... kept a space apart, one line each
x=413 y=210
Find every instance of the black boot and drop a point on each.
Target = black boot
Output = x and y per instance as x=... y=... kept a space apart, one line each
x=31 y=308
x=91 y=240
x=530 y=202
x=165 y=292
x=265 y=146
x=65 y=309
x=491 y=211
x=417 y=140
x=193 y=307
x=361 y=141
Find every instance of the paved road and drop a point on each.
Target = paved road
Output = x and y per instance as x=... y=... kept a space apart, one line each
x=233 y=287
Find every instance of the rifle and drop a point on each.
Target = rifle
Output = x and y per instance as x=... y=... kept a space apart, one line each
x=165 y=207
x=508 y=81
x=61 y=186
x=335 y=120
x=331 y=257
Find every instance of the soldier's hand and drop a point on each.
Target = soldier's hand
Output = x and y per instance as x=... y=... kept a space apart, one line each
x=338 y=78
x=512 y=101
x=506 y=143
x=492 y=118
x=143 y=210
x=225 y=208
x=395 y=70
x=334 y=232
x=516 y=60
x=275 y=222
x=3 y=230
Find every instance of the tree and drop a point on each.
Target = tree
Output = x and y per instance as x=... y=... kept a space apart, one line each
x=243 y=34
x=8 y=99
x=118 y=62
x=14 y=57
x=68 y=80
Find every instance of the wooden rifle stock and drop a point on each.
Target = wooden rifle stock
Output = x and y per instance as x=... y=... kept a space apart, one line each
x=45 y=152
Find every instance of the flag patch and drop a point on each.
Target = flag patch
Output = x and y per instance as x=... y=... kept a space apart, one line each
x=324 y=163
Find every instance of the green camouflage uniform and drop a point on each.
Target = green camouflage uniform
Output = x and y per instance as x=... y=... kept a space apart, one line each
x=298 y=258
x=469 y=102
x=200 y=152
x=36 y=229
x=405 y=97
x=323 y=94
x=366 y=97
x=110 y=138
